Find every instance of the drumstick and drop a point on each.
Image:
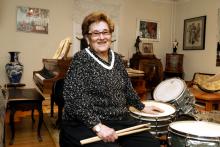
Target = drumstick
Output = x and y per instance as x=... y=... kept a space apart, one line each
x=96 y=138
x=122 y=132
x=133 y=128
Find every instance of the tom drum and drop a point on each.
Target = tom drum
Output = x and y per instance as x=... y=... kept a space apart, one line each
x=175 y=92
x=160 y=122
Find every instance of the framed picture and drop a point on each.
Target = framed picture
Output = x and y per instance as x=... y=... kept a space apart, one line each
x=32 y=20
x=148 y=30
x=194 y=33
x=146 y=48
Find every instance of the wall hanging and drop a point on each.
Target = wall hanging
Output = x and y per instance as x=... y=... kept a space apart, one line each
x=148 y=30
x=194 y=33
x=32 y=20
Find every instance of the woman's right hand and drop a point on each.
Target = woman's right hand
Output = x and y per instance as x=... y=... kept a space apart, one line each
x=106 y=134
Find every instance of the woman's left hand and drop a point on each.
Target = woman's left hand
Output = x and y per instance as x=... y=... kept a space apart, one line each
x=152 y=110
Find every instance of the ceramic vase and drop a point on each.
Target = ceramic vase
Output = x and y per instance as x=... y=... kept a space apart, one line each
x=14 y=68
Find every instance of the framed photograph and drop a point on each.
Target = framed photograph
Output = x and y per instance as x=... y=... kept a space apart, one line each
x=148 y=30
x=32 y=20
x=146 y=48
x=194 y=33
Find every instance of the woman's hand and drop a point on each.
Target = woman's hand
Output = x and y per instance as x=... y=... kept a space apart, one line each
x=106 y=134
x=152 y=110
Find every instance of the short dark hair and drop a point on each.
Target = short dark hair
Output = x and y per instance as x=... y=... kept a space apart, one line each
x=96 y=17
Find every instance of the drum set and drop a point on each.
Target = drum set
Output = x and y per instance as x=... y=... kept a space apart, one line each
x=178 y=122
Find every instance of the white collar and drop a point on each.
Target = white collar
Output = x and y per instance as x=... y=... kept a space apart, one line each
x=100 y=62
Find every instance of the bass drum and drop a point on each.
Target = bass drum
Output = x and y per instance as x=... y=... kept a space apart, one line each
x=160 y=122
x=194 y=134
x=175 y=92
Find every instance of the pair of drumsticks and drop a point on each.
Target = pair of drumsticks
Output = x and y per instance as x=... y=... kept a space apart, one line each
x=123 y=132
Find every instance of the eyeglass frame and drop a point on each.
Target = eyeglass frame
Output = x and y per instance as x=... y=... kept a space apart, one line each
x=97 y=34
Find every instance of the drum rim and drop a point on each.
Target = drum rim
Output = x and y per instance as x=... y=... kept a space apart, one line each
x=161 y=118
x=185 y=88
x=172 y=114
x=192 y=136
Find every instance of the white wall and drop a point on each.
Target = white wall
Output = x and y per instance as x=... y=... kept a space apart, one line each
x=199 y=60
x=131 y=11
x=34 y=47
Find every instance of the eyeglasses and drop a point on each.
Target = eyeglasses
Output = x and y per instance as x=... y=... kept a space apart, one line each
x=97 y=34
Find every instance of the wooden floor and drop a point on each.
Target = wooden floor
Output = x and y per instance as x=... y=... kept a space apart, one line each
x=25 y=133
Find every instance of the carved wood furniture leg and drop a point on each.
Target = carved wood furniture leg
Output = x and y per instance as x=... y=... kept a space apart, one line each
x=12 y=113
x=32 y=116
x=208 y=106
x=51 y=106
x=40 y=110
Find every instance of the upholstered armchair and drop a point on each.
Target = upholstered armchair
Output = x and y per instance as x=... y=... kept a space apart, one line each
x=205 y=92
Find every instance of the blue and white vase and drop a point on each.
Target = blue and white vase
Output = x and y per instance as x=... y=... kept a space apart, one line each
x=14 y=68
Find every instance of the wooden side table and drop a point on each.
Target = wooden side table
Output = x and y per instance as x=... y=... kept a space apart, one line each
x=13 y=85
x=25 y=99
x=208 y=99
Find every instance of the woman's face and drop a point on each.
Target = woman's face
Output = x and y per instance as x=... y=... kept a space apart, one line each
x=99 y=37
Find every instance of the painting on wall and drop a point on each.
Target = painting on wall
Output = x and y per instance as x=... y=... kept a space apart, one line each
x=34 y=20
x=146 y=48
x=148 y=30
x=194 y=33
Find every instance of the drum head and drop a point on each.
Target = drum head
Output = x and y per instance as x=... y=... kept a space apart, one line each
x=168 y=109
x=169 y=89
x=197 y=128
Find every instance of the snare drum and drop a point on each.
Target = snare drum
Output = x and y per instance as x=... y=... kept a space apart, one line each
x=159 y=122
x=175 y=92
x=194 y=134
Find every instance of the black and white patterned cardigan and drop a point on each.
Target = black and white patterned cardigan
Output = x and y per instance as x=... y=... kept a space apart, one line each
x=95 y=90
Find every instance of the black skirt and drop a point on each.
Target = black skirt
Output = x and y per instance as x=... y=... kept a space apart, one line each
x=71 y=132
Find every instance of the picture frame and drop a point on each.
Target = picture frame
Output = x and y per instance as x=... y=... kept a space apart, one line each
x=146 y=48
x=148 y=30
x=194 y=33
x=35 y=20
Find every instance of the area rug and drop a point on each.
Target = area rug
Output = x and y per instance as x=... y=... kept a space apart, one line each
x=52 y=129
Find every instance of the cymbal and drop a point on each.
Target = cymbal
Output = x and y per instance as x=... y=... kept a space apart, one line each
x=214 y=78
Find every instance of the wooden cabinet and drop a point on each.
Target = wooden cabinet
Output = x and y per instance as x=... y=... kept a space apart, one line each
x=174 y=66
x=151 y=66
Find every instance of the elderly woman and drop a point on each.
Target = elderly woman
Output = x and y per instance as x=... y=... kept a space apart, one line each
x=97 y=93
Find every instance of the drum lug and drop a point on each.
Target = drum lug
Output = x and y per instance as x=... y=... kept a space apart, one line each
x=169 y=139
x=187 y=142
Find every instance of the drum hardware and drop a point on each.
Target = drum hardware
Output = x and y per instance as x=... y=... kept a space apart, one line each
x=169 y=139
x=187 y=141
x=156 y=126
